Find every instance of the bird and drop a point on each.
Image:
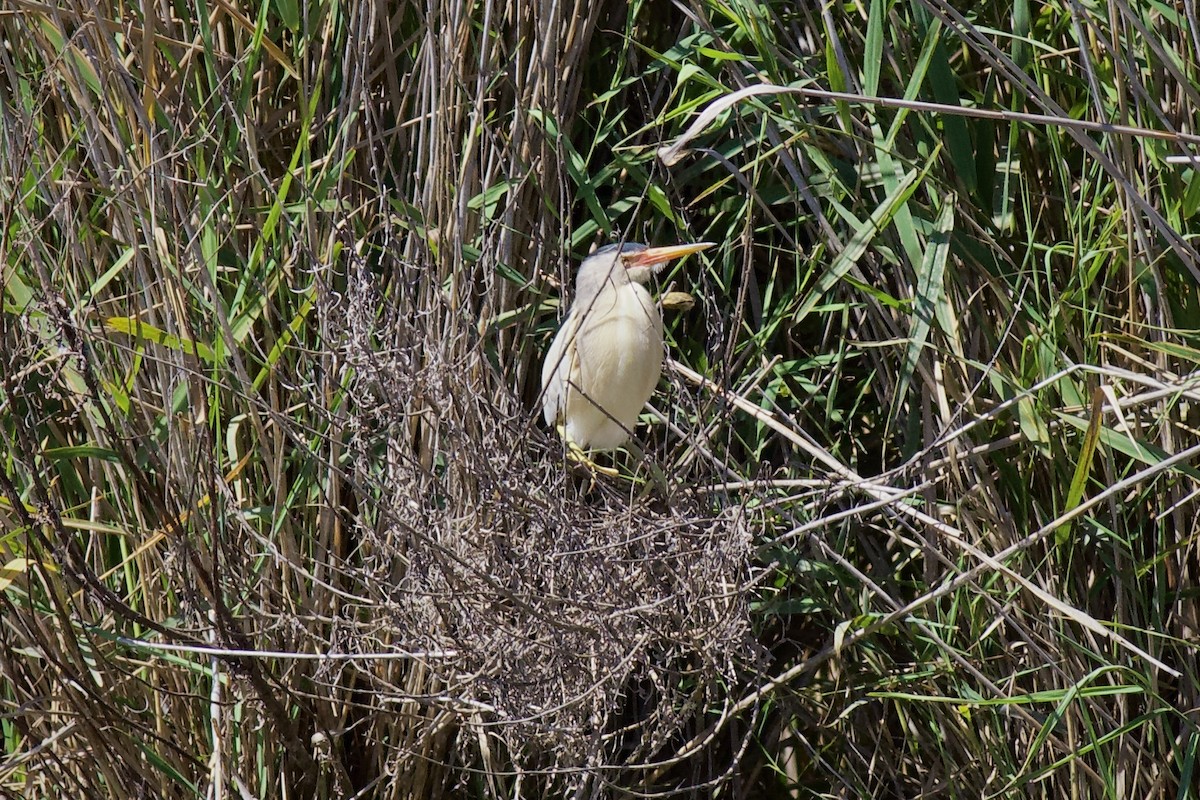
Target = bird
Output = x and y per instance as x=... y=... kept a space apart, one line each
x=607 y=356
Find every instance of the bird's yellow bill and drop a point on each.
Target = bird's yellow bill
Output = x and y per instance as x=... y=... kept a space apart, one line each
x=657 y=255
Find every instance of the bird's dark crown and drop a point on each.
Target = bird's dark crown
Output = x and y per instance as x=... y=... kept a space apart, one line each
x=619 y=247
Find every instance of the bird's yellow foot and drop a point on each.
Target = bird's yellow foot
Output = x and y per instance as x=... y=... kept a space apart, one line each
x=575 y=453
x=579 y=456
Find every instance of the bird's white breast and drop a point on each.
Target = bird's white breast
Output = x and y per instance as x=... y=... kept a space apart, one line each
x=619 y=351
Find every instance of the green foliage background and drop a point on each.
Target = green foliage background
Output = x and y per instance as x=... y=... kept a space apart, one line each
x=948 y=343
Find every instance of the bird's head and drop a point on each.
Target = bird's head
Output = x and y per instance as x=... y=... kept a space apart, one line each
x=628 y=262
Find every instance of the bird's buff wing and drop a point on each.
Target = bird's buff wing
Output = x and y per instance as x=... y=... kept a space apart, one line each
x=559 y=370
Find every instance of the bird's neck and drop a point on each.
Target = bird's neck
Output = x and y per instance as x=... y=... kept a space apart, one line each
x=587 y=288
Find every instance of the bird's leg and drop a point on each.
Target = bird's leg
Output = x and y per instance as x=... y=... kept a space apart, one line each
x=579 y=456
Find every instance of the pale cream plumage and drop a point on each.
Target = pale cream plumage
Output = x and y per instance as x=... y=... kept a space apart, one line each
x=607 y=357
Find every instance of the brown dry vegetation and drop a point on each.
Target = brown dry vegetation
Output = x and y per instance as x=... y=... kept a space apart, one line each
x=917 y=511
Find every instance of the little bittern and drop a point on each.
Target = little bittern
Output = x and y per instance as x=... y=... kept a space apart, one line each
x=607 y=357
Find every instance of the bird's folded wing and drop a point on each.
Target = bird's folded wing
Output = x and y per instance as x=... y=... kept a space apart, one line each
x=558 y=370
